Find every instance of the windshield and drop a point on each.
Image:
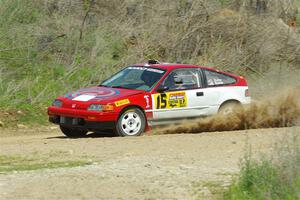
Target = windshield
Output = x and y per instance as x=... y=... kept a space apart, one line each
x=140 y=78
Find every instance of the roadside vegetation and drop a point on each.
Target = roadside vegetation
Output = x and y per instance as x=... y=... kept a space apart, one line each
x=50 y=47
x=276 y=177
x=10 y=164
x=272 y=176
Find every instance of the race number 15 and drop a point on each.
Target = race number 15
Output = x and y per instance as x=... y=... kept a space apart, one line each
x=161 y=101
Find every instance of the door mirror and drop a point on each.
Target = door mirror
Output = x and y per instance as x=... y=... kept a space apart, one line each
x=162 y=89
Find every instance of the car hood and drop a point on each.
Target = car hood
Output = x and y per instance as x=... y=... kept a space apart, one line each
x=101 y=94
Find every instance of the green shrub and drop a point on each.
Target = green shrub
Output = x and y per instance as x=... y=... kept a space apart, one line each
x=277 y=179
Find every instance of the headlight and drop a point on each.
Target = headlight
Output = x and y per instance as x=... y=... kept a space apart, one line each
x=98 y=107
x=95 y=107
x=57 y=103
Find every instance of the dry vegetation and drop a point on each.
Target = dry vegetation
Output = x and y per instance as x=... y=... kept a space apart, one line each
x=49 y=47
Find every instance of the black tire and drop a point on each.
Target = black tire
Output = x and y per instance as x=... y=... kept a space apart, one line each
x=131 y=122
x=230 y=108
x=72 y=132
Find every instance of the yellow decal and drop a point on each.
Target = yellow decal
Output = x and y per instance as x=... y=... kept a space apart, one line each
x=122 y=102
x=170 y=100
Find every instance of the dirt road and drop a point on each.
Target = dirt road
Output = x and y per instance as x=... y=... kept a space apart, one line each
x=147 y=167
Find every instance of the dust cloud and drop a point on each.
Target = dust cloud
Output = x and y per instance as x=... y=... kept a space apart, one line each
x=282 y=110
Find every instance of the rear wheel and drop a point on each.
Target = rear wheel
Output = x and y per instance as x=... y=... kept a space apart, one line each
x=72 y=132
x=131 y=122
x=230 y=107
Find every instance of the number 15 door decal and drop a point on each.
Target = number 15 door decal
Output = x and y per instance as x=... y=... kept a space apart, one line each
x=170 y=100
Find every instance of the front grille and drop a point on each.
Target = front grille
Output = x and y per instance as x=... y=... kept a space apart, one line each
x=71 y=121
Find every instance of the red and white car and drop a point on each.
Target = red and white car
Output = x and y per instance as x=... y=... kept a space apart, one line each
x=141 y=96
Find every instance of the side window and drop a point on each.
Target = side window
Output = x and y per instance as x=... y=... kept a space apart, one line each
x=182 y=79
x=218 y=79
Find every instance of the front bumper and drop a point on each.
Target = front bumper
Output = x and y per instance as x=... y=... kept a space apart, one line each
x=82 y=119
x=81 y=124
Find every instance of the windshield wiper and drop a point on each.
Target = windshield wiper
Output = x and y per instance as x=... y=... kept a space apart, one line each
x=115 y=86
x=119 y=86
x=103 y=85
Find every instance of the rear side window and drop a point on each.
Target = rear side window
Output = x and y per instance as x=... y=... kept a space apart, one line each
x=218 y=79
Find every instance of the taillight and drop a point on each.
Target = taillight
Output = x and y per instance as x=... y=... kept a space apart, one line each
x=247 y=93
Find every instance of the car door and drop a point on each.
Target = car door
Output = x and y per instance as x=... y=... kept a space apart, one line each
x=184 y=98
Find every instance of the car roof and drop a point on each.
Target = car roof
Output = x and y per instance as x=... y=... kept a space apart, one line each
x=172 y=66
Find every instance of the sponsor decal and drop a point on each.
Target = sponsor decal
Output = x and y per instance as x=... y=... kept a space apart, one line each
x=148 y=69
x=122 y=102
x=170 y=100
x=155 y=70
x=147 y=99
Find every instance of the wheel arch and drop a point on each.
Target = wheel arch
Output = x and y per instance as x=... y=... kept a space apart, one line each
x=229 y=101
x=123 y=110
x=132 y=106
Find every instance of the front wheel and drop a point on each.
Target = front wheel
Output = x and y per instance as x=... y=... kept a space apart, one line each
x=72 y=133
x=131 y=122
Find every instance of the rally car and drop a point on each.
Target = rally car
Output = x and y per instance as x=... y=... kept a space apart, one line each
x=144 y=95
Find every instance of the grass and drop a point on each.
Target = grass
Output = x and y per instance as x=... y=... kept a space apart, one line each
x=37 y=63
x=10 y=164
x=269 y=179
x=272 y=177
x=211 y=189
